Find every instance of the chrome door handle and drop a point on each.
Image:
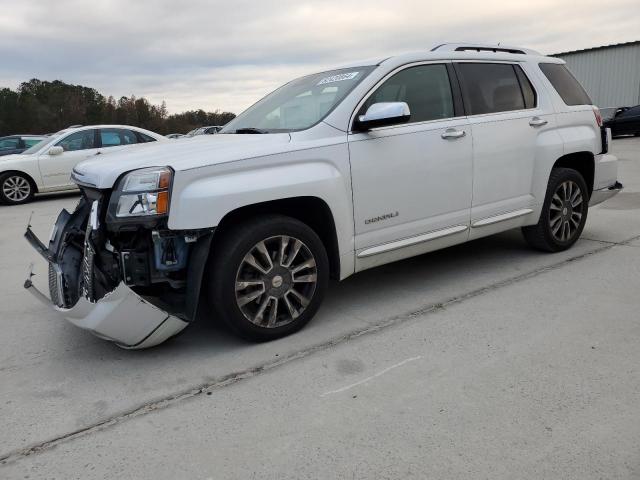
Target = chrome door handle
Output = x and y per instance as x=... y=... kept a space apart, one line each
x=453 y=133
x=537 y=122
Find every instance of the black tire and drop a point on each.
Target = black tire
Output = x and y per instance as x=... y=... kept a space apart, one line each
x=227 y=265
x=11 y=196
x=543 y=236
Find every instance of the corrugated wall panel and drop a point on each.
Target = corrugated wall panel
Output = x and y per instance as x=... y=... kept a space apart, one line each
x=611 y=76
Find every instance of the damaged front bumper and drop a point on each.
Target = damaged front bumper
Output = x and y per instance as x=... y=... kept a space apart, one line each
x=104 y=303
x=121 y=316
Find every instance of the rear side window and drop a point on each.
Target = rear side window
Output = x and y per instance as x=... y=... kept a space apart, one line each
x=425 y=88
x=565 y=84
x=114 y=137
x=489 y=88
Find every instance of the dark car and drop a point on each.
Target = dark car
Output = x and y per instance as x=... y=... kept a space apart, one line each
x=626 y=121
x=18 y=143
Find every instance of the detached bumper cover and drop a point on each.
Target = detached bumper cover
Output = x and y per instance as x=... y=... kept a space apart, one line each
x=121 y=316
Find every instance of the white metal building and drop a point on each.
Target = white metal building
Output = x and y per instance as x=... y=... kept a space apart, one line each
x=610 y=74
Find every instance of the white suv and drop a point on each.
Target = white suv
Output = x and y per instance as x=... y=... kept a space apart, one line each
x=46 y=166
x=331 y=174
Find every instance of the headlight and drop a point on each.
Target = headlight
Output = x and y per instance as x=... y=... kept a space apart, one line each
x=144 y=192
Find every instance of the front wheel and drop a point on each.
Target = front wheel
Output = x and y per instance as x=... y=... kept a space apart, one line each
x=15 y=189
x=268 y=277
x=564 y=212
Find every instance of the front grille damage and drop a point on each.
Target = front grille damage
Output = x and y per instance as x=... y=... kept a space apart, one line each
x=89 y=258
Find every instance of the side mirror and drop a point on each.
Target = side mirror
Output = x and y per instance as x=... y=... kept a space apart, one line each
x=383 y=114
x=55 y=151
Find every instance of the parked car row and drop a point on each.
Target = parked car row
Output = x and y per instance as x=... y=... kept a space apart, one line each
x=47 y=164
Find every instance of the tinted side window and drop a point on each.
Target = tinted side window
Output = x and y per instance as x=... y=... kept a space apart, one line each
x=565 y=84
x=114 y=137
x=30 y=142
x=489 y=88
x=632 y=112
x=9 y=143
x=528 y=93
x=78 y=141
x=144 y=138
x=425 y=88
x=128 y=137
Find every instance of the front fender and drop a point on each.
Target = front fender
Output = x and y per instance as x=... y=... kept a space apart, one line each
x=202 y=197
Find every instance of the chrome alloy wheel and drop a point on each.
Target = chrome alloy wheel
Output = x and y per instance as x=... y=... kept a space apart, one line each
x=276 y=281
x=566 y=210
x=16 y=188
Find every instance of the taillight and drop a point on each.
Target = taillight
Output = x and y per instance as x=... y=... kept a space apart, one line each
x=596 y=112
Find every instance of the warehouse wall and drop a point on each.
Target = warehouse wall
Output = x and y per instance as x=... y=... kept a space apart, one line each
x=610 y=75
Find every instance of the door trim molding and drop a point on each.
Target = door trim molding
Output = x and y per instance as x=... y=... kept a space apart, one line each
x=502 y=217
x=407 y=242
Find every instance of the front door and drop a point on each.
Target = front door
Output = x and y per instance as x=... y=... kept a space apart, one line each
x=56 y=169
x=412 y=182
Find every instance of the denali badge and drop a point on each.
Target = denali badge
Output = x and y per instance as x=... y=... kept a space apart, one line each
x=386 y=216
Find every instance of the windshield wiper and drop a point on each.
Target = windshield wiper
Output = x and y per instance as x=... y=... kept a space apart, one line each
x=249 y=130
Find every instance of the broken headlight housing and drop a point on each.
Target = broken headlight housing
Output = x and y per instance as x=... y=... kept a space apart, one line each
x=142 y=193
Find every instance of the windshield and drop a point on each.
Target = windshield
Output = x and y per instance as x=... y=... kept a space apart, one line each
x=299 y=104
x=43 y=143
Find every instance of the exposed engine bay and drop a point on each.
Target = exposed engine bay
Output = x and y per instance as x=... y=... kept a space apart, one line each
x=91 y=257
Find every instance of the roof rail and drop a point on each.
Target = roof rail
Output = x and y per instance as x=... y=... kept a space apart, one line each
x=75 y=126
x=479 y=47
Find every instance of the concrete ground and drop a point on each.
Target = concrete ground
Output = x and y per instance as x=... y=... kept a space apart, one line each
x=486 y=360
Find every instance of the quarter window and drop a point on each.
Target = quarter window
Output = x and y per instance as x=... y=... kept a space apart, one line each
x=490 y=88
x=78 y=141
x=425 y=88
x=528 y=93
x=565 y=84
x=144 y=138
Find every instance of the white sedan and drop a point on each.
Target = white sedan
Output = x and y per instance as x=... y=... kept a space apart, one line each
x=46 y=167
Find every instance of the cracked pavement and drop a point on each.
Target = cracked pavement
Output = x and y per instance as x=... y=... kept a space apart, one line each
x=482 y=360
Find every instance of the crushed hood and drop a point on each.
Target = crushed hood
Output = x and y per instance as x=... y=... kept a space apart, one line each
x=183 y=154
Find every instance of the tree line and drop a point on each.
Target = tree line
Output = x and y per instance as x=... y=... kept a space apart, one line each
x=41 y=107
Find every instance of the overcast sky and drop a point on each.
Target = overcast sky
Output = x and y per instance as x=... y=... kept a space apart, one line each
x=227 y=54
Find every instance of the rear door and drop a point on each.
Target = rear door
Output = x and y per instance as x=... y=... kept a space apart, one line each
x=507 y=122
x=56 y=169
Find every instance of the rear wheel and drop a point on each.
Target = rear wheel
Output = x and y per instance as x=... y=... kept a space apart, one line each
x=15 y=188
x=268 y=277
x=564 y=212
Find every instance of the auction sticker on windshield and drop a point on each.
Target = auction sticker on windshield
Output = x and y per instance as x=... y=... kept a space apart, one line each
x=338 y=78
